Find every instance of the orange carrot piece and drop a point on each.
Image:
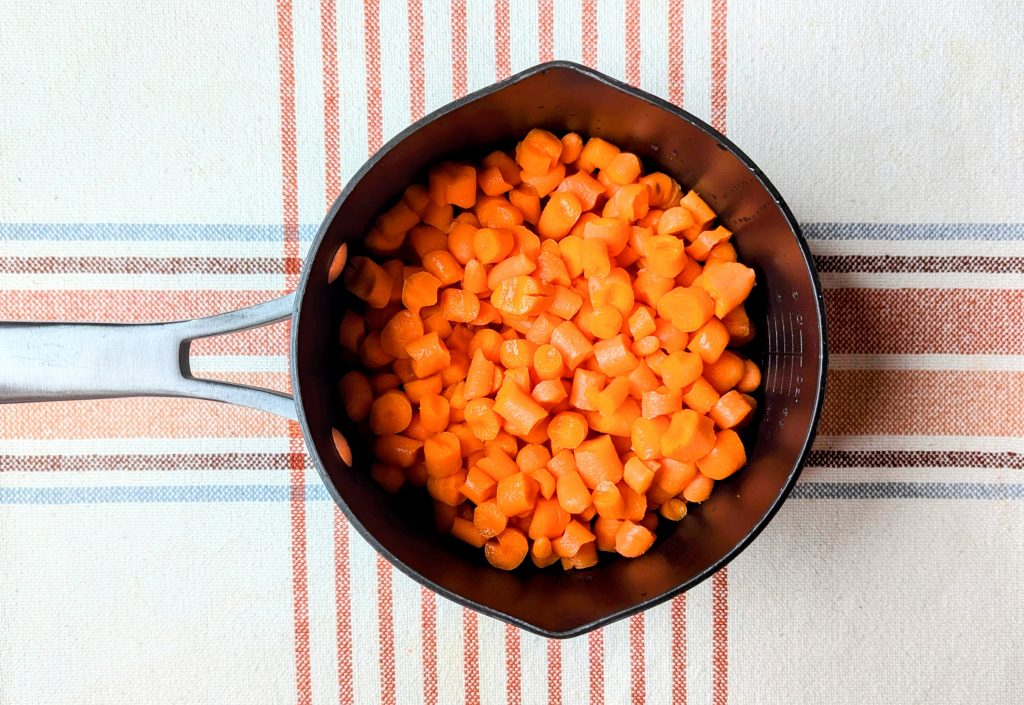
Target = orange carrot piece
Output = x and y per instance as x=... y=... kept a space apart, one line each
x=356 y=395
x=367 y=280
x=700 y=396
x=516 y=265
x=390 y=413
x=518 y=408
x=416 y=388
x=443 y=265
x=572 y=147
x=641 y=379
x=460 y=242
x=507 y=550
x=661 y=402
x=731 y=410
x=567 y=429
x=751 y=378
x=597 y=154
x=585 y=385
x=675 y=221
x=637 y=475
x=464 y=530
x=544 y=184
x=726 y=372
x=397 y=450
x=550 y=392
x=663 y=190
x=608 y=400
x=726 y=457
x=699 y=489
x=435 y=412
x=388 y=477
x=701 y=212
x=608 y=501
x=517 y=493
x=650 y=287
x=629 y=203
x=709 y=341
x=459 y=305
x=700 y=249
x=492 y=182
x=614 y=356
x=525 y=199
x=728 y=284
x=516 y=352
x=443 y=454
x=550 y=519
x=478 y=488
x=690 y=436
x=633 y=540
x=597 y=460
x=681 y=369
x=613 y=232
x=572 y=344
x=584 y=187
x=492 y=244
x=562 y=211
x=403 y=328
x=585 y=557
x=565 y=302
x=688 y=308
x=576 y=534
x=429 y=355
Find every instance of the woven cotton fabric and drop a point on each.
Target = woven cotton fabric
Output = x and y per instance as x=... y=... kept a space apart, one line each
x=164 y=160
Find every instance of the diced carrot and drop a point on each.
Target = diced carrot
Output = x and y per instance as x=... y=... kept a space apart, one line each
x=726 y=457
x=699 y=489
x=465 y=530
x=629 y=203
x=390 y=413
x=576 y=534
x=518 y=408
x=478 y=488
x=632 y=540
x=690 y=436
x=544 y=184
x=688 y=308
x=722 y=252
x=663 y=189
x=596 y=154
x=572 y=345
x=438 y=215
x=751 y=378
x=584 y=187
x=661 y=402
x=700 y=396
x=728 y=284
x=416 y=389
x=397 y=450
x=352 y=331
x=612 y=231
x=585 y=385
x=550 y=519
x=403 y=328
x=731 y=410
x=650 y=287
x=492 y=244
x=383 y=381
x=525 y=199
x=614 y=356
x=608 y=501
x=641 y=322
x=538 y=151
x=492 y=182
x=505 y=164
x=597 y=460
x=681 y=369
x=460 y=242
x=572 y=147
x=356 y=395
x=368 y=280
x=641 y=379
x=517 y=493
x=459 y=305
x=429 y=355
x=562 y=211
x=741 y=331
x=487 y=341
x=586 y=557
x=700 y=249
x=710 y=340
x=725 y=372
x=702 y=213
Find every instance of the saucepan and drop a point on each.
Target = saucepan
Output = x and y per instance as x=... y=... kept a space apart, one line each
x=61 y=361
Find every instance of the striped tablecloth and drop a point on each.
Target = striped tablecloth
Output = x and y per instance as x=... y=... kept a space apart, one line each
x=164 y=159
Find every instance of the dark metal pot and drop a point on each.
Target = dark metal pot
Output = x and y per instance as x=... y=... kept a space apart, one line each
x=42 y=362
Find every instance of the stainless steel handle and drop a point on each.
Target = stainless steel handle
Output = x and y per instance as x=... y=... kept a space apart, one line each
x=64 y=361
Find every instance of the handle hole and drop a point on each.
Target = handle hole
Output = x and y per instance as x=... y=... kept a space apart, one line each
x=257 y=357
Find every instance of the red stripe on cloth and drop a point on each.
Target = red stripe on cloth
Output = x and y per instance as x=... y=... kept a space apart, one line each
x=633 y=42
x=296 y=458
x=720 y=637
x=903 y=321
x=502 y=53
x=332 y=142
x=545 y=30
x=588 y=21
x=595 y=657
x=386 y=630
x=637 y=679
x=513 y=665
x=470 y=657
x=719 y=53
x=428 y=637
x=300 y=586
x=343 y=607
x=678 y=617
x=416 y=89
x=554 y=672
x=256 y=342
x=676 y=38
x=458 y=48
x=371 y=48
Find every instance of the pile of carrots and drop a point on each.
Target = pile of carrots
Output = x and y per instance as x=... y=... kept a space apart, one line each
x=546 y=348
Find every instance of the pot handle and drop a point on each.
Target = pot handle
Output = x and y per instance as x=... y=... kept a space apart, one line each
x=65 y=361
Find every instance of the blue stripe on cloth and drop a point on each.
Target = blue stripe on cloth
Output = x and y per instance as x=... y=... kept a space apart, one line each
x=317 y=493
x=185 y=232
x=252 y=233
x=143 y=494
x=913 y=231
x=907 y=490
